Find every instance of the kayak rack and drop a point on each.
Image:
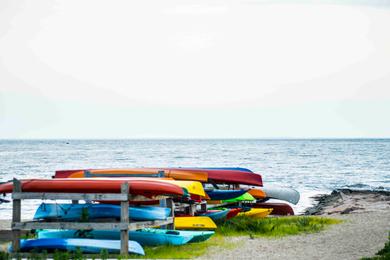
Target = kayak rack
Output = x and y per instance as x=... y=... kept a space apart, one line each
x=125 y=225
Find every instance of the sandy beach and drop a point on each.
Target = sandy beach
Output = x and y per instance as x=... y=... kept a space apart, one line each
x=364 y=231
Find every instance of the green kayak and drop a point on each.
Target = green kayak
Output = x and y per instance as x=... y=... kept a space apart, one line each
x=243 y=197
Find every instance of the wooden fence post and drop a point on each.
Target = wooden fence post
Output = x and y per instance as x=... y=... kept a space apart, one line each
x=170 y=204
x=16 y=216
x=125 y=220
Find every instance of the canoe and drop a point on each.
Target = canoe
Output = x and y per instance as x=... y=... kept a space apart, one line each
x=257 y=193
x=244 y=197
x=196 y=175
x=224 y=194
x=226 y=168
x=89 y=246
x=95 y=211
x=146 y=237
x=256 y=213
x=147 y=188
x=286 y=194
x=194 y=223
x=282 y=209
x=233 y=212
x=228 y=176
x=216 y=214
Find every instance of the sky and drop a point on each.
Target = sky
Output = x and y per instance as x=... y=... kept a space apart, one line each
x=194 y=69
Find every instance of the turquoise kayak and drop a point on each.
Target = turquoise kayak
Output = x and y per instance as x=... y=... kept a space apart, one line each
x=95 y=211
x=216 y=214
x=88 y=246
x=147 y=237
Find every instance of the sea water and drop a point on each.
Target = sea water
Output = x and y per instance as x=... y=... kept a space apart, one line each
x=309 y=166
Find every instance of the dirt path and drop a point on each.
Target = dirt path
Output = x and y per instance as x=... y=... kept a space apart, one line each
x=363 y=232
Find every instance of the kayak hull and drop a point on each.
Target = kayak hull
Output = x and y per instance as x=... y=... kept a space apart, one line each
x=93 y=246
x=216 y=214
x=281 y=209
x=286 y=194
x=256 y=213
x=147 y=188
x=194 y=223
x=97 y=211
x=146 y=237
x=196 y=175
x=224 y=194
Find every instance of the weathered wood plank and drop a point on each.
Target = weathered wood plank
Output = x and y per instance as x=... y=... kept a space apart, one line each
x=7 y=235
x=70 y=196
x=171 y=205
x=16 y=216
x=125 y=220
x=89 y=225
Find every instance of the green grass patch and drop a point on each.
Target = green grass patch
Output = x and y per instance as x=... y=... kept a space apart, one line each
x=186 y=251
x=273 y=227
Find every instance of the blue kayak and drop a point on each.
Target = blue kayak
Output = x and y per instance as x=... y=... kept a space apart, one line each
x=148 y=236
x=89 y=246
x=96 y=211
x=224 y=194
x=227 y=168
x=216 y=214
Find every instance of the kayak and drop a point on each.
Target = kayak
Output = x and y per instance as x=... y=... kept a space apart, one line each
x=228 y=176
x=257 y=193
x=196 y=175
x=216 y=214
x=282 y=209
x=92 y=246
x=286 y=194
x=256 y=213
x=224 y=194
x=146 y=237
x=244 y=197
x=96 y=211
x=194 y=223
x=147 y=188
x=233 y=212
x=227 y=168
x=193 y=187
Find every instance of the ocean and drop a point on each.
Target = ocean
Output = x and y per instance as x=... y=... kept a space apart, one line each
x=311 y=166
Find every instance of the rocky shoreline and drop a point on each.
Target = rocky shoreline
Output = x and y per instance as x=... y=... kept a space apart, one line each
x=346 y=201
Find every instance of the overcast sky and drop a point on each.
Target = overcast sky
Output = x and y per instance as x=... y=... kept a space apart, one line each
x=194 y=69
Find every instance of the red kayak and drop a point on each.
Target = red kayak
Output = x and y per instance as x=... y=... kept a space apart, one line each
x=282 y=209
x=147 y=188
x=228 y=176
x=232 y=213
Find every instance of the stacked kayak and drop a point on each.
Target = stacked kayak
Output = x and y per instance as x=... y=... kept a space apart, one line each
x=92 y=246
x=145 y=237
x=98 y=211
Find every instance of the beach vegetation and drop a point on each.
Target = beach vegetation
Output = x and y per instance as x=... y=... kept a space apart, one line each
x=273 y=227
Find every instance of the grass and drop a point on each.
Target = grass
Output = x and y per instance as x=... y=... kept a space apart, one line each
x=273 y=227
x=382 y=254
x=186 y=251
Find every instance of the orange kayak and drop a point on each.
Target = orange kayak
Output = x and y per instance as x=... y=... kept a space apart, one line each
x=195 y=175
x=257 y=193
x=147 y=188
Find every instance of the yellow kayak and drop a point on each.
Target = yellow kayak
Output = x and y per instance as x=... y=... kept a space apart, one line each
x=256 y=213
x=194 y=223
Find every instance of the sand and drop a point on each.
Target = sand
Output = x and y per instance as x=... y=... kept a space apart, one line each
x=364 y=231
